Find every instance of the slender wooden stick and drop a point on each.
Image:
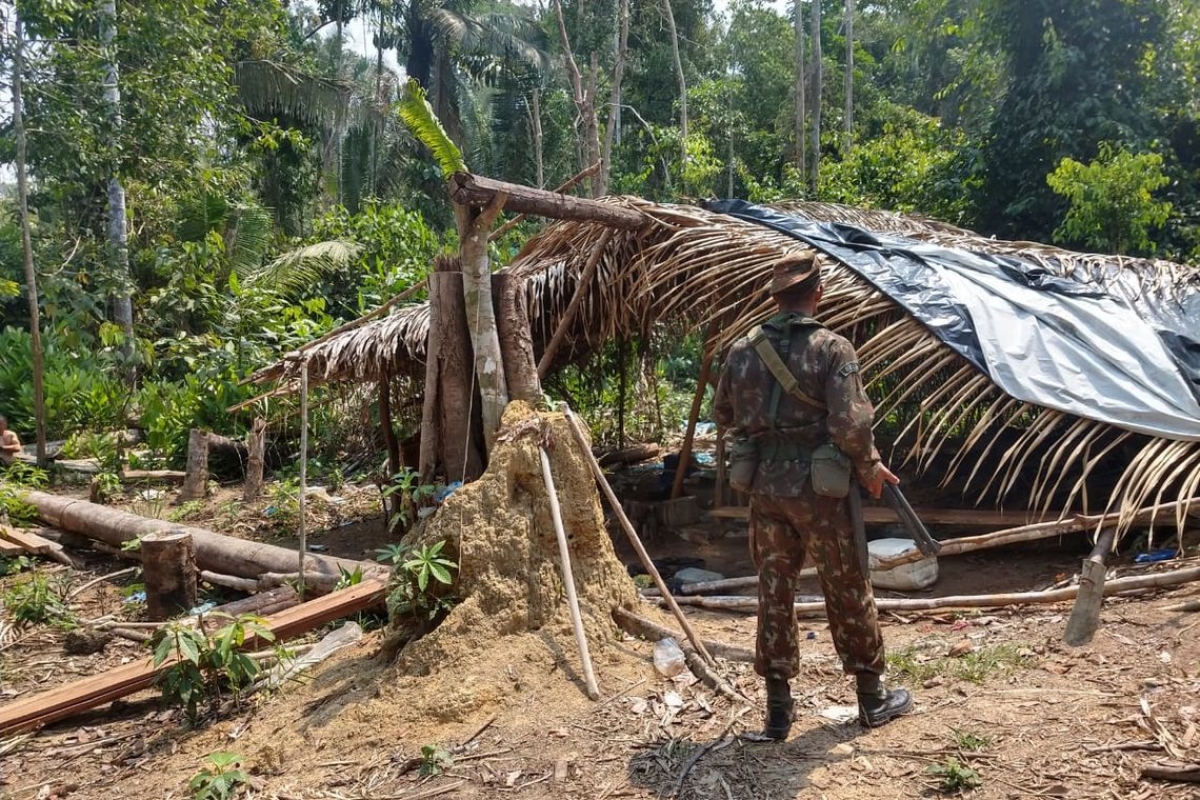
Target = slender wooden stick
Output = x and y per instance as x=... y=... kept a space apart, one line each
x=1154 y=581
x=634 y=540
x=564 y=325
x=589 y=675
x=685 y=452
x=303 y=468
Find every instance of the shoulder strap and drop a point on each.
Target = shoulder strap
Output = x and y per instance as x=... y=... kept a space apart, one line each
x=778 y=368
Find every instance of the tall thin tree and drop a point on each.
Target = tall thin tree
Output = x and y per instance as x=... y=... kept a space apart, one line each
x=683 y=112
x=849 y=117
x=816 y=96
x=612 y=131
x=585 y=103
x=35 y=327
x=801 y=146
x=118 y=236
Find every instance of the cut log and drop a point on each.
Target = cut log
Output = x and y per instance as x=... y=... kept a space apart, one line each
x=474 y=190
x=634 y=454
x=262 y=604
x=574 y=179
x=1182 y=773
x=169 y=570
x=195 y=483
x=153 y=476
x=1157 y=580
x=516 y=339
x=1085 y=616
x=214 y=552
x=256 y=445
x=66 y=701
x=248 y=585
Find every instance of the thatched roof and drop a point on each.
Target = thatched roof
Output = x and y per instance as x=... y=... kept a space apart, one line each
x=693 y=267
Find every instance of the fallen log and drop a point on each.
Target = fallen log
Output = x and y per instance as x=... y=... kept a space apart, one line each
x=631 y=455
x=66 y=701
x=637 y=625
x=1183 y=773
x=153 y=476
x=1154 y=581
x=214 y=552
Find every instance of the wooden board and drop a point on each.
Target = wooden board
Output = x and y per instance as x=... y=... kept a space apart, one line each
x=29 y=542
x=10 y=550
x=882 y=515
x=73 y=698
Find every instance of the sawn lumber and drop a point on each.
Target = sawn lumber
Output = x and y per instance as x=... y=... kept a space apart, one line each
x=66 y=701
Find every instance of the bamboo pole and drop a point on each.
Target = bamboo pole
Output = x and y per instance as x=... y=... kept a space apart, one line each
x=564 y=325
x=1157 y=580
x=627 y=526
x=685 y=452
x=564 y=553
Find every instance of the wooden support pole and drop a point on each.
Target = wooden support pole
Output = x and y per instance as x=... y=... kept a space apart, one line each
x=385 y=422
x=195 y=484
x=475 y=190
x=685 y=452
x=627 y=527
x=719 y=489
x=169 y=571
x=1085 y=615
x=256 y=446
x=581 y=290
x=564 y=553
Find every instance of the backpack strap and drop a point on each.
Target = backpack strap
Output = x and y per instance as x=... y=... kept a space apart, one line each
x=775 y=363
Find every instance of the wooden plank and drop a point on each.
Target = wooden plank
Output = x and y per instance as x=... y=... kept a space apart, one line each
x=65 y=701
x=29 y=542
x=10 y=550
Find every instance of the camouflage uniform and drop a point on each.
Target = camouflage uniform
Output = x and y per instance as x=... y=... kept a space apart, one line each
x=786 y=516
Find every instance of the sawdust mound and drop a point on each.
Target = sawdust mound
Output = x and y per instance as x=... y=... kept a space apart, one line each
x=502 y=536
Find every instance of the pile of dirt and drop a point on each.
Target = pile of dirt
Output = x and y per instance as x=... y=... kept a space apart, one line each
x=501 y=533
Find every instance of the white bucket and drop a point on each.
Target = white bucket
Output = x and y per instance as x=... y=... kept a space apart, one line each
x=906 y=577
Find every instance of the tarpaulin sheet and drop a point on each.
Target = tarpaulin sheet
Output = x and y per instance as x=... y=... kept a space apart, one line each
x=1102 y=347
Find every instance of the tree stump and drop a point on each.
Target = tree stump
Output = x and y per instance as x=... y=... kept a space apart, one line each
x=169 y=568
x=195 y=483
x=256 y=445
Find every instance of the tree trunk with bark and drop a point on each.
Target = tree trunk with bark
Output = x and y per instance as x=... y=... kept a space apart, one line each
x=118 y=237
x=535 y=122
x=256 y=445
x=31 y=290
x=816 y=98
x=474 y=225
x=169 y=570
x=801 y=112
x=585 y=103
x=612 y=129
x=683 y=113
x=390 y=442
x=849 y=90
x=516 y=339
x=195 y=485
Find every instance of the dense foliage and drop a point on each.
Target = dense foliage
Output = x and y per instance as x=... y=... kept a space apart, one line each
x=272 y=192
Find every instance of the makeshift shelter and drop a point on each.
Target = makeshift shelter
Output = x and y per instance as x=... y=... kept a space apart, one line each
x=1126 y=443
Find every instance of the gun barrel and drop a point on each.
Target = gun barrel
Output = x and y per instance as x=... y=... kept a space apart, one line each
x=916 y=529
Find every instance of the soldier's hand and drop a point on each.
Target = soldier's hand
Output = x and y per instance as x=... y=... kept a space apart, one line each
x=879 y=476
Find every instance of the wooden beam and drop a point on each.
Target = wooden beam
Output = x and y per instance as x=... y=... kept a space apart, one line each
x=474 y=190
x=515 y=221
x=66 y=701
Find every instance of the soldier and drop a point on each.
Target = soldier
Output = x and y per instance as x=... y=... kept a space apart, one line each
x=779 y=425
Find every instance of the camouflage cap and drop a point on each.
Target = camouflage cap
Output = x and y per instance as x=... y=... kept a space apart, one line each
x=800 y=270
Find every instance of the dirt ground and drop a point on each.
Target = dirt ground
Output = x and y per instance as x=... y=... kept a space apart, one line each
x=1013 y=710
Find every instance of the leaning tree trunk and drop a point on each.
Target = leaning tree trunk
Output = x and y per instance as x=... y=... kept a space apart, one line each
x=801 y=166
x=816 y=103
x=35 y=326
x=118 y=239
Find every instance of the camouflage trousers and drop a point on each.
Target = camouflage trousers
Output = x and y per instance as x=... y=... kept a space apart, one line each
x=782 y=529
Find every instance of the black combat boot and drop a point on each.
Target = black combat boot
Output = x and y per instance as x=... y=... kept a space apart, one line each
x=878 y=705
x=779 y=708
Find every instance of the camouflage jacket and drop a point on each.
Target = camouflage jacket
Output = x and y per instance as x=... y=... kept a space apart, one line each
x=827 y=369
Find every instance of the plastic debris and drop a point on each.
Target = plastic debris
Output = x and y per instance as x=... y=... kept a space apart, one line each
x=1163 y=554
x=668 y=658
x=203 y=608
x=136 y=597
x=447 y=490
